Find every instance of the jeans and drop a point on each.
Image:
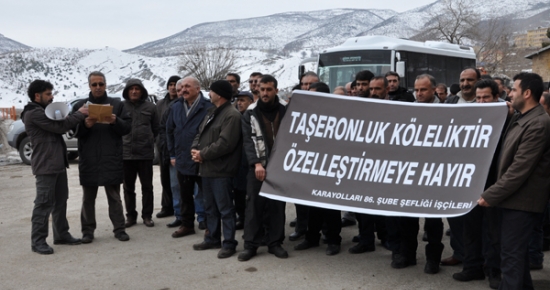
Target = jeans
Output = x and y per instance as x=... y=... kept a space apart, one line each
x=175 y=190
x=199 y=204
x=220 y=211
x=52 y=192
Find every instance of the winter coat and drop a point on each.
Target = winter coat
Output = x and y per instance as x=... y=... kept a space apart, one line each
x=100 y=147
x=163 y=109
x=401 y=94
x=140 y=143
x=219 y=141
x=253 y=131
x=49 y=154
x=181 y=131
x=523 y=176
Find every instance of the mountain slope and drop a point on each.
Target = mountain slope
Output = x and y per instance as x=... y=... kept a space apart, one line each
x=7 y=45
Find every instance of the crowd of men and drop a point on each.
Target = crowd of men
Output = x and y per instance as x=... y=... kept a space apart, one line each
x=214 y=154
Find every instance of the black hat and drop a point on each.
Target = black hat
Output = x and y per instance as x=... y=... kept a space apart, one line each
x=172 y=79
x=222 y=88
x=246 y=94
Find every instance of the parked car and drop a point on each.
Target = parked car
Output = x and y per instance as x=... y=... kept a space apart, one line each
x=18 y=139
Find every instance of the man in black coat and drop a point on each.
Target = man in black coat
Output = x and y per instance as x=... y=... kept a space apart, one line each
x=100 y=158
x=49 y=163
x=396 y=92
x=139 y=151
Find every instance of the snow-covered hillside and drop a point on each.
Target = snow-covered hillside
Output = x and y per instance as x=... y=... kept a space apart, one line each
x=7 y=45
x=67 y=70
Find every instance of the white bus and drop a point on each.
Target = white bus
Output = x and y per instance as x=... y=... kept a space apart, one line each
x=380 y=54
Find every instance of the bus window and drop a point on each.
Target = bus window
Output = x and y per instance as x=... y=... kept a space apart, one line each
x=339 y=68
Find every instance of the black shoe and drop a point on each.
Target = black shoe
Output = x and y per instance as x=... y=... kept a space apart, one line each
x=122 y=236
x=130 y=222
x=70 y=241
x=202 y=225
x=332 y=250
x=164 y=213
x=361 y=248
x=278 y=251
x=535 y=266
x=174 y=224
x=356 y=239
x=226 y=253
x=239 y=225
x=305 y=245
x=469 y=275
x=347 y=223
x=246 y=255
x=206 y=246
x=293 y=223
x=425 y=237
x=296 y=236
x=148 y=222
x=494 y=278
x=87 y=238
x=399 y=261
x=431 y=267
x=42 y=249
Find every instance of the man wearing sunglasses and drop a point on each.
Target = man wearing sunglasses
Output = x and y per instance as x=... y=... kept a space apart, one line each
x=100 y=158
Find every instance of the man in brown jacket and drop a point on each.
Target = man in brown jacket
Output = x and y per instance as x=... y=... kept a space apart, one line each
x=523 y=184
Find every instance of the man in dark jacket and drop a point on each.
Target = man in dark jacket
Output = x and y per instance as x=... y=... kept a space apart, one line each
x=100 y=158
x=139 y=151
x=167 y=201
x=49 y=162
x=396 y=92
x=260 y=125
x=217 y=147
x=523 y=185
x=182 y=126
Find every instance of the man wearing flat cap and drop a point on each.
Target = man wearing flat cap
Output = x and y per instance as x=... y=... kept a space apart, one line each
x=217 y=148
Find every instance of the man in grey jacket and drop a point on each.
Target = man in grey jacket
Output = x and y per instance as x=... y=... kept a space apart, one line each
x=139 y=151
x=217 y=148
x=49 y=163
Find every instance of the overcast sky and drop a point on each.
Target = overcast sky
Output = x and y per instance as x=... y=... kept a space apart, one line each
x=124 y=24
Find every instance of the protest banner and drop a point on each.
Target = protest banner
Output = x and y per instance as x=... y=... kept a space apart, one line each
x=383 y=157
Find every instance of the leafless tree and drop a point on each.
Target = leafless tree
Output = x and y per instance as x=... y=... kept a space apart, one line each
x=453 y=23
x=207 y=63
x=492 y=41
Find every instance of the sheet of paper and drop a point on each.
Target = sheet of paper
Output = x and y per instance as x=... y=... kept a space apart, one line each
x=101 y=112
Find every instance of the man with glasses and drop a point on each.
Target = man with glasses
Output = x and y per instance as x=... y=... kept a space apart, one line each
x=100 y=158
x=254 y=84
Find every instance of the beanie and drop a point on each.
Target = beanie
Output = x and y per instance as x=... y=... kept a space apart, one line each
x=172 y=79
x=222 y=88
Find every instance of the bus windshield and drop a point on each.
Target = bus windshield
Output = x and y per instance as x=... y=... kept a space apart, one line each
x=338 y=68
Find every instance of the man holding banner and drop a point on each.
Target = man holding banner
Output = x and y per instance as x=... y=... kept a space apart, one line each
x=523 y=184
x=260 y=125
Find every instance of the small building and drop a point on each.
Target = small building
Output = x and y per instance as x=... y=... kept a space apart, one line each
x=541 y=62
x=533 y=38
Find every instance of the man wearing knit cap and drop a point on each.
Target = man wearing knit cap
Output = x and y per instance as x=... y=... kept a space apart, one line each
x=168 y=207
x=138 y=151
x=217 y=148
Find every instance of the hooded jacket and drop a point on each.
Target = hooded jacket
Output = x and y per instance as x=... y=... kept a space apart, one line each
x=181 y=130
x=100 y=147
x=140 y=143
x=49 y=149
